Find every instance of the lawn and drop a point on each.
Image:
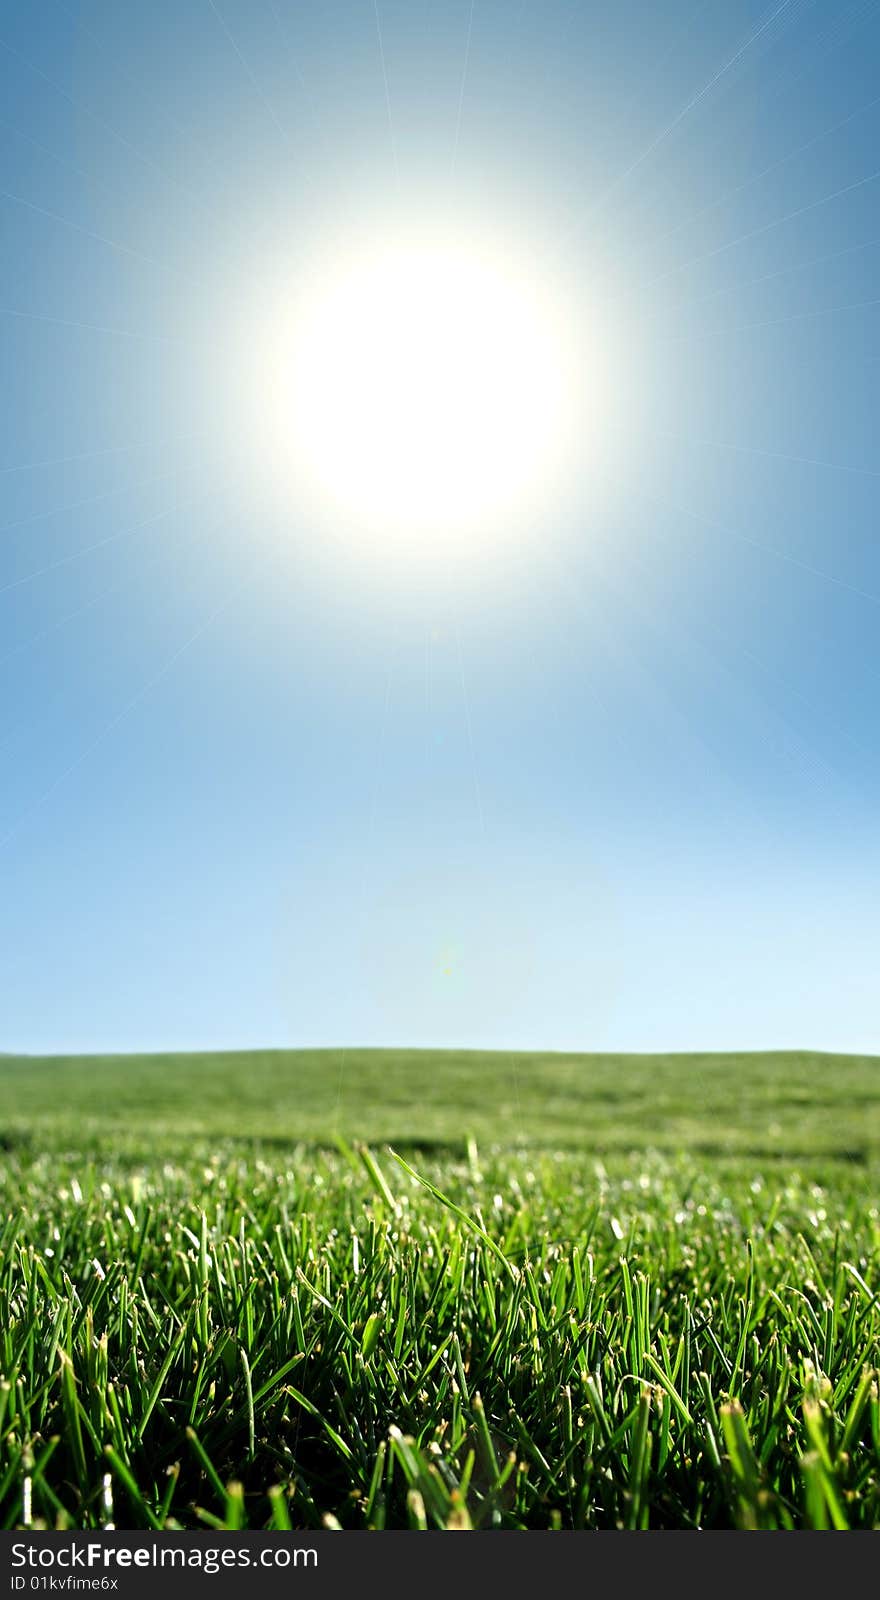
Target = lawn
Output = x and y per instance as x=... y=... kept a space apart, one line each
x=578 y=1292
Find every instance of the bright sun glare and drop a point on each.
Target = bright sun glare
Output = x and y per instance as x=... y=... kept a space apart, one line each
x=425 y=391
x=420 y=397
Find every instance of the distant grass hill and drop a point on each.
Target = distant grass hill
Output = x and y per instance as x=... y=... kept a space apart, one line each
x=788 y=1104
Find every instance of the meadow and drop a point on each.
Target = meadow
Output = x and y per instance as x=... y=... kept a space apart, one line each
x=440 y=1290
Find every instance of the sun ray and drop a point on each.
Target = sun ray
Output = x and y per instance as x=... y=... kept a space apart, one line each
x=462 y=86
x=760 y=544
x=87 y=327
x=127 y=532
x=763 y=228
x=391 y=133
x=89 y=233
x=681 y=115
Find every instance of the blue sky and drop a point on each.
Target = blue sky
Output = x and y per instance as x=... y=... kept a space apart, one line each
x=614 y=789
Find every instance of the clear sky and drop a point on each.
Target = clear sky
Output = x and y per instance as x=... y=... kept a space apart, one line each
x=612 y=784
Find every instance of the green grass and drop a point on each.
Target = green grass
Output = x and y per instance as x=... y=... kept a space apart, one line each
x=587 y=1292
x=793 y=1103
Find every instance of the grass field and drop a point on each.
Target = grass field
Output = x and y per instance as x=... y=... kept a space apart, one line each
x=584 y=1292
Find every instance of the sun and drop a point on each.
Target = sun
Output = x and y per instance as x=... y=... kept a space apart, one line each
x=425 y=391
x=418 y=397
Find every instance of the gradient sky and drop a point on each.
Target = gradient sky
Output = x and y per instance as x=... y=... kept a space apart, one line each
x=616 y=788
